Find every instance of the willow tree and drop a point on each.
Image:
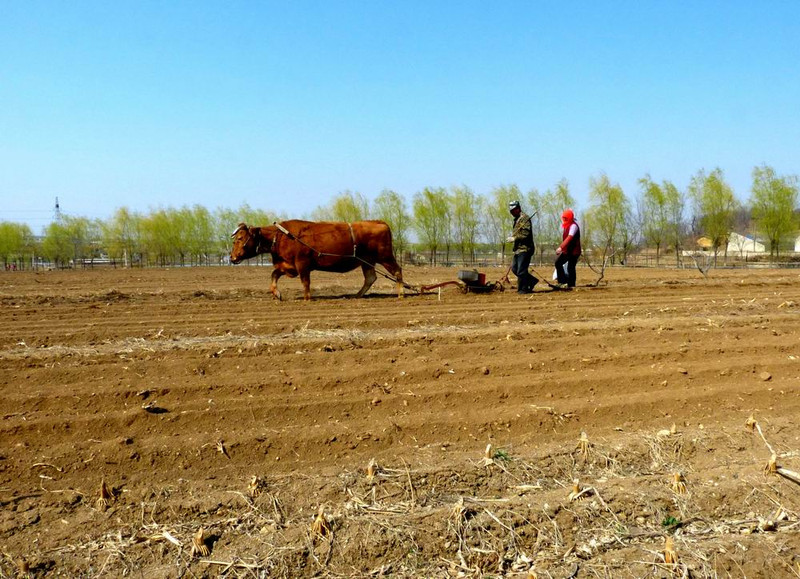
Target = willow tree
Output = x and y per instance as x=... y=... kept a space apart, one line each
x=346 y=206
x=15 y=241
x=121 y=235
x=73 y=239
x=465 y=220
x=162 y=239
x=654 y=214
x=609 y=216
x=431 y=219
x=774 y=201
x=714 y=205
x=390 y=207
x=676 y=204
x=57 y=244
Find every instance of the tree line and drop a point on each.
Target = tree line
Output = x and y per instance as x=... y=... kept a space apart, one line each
x=444 y=224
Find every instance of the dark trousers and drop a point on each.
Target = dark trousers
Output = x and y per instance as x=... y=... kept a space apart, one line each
x=519 y=266
x=567 y=277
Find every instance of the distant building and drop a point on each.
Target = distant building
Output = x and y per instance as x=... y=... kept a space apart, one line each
x=743 y=246
x=736 y=245
x=797 y=244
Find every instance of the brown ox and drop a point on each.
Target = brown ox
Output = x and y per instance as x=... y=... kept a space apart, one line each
x=300 y=247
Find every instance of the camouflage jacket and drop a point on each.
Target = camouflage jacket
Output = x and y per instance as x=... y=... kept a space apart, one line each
x=523 y=234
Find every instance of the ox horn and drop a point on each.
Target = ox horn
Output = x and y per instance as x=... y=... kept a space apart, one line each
x=239 y=228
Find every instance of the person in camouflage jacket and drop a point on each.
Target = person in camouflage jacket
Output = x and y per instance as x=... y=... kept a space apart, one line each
x=522 y=238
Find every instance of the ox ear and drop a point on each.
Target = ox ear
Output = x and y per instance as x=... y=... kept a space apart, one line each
x=238 y=229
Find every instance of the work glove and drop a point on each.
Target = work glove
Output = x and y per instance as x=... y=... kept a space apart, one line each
x=510 y=239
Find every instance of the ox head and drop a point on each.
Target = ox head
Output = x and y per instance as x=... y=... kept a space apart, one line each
x=247 y=242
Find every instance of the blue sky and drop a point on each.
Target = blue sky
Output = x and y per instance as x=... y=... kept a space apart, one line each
x=283 y=105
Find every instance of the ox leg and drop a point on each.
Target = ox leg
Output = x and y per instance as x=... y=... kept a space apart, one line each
x=276 y=275
x=305 y=278
x=369 y=278
x=394 y=269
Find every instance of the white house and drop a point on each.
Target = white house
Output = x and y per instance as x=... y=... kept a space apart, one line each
x=743 y=246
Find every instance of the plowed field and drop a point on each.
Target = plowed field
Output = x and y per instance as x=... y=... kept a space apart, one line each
x=202 y=402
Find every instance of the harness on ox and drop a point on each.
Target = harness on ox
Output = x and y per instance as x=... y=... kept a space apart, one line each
x=293 y=237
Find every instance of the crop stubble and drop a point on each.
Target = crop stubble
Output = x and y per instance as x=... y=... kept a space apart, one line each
x=181 y=391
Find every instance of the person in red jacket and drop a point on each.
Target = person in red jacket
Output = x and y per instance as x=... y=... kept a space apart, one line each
x=569 y=251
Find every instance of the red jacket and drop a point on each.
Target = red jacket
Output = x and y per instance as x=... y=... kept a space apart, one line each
x=571 y=244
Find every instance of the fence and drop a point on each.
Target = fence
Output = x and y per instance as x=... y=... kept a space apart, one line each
x=443 y=259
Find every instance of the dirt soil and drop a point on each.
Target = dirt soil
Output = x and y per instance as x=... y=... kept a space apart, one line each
x=202 y=402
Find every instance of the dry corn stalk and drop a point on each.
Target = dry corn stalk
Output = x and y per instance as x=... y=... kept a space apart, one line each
x=320 y=527
x=256 y=486
x=105 y=496
x=372 y=470
x=750 y=423
x=679 y=484
x=221 y=448
x=584 y=446
x=670 y=556
x=673 y=430
x=24 y=567
x=199 y=547
x=578 y=492
x=772 y=465
x=487 y=459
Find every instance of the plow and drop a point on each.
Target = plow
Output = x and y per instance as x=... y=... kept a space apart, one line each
x=472 y=281
x=469 y=281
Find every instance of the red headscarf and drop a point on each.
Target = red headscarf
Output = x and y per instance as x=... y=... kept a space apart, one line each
x=567 y=218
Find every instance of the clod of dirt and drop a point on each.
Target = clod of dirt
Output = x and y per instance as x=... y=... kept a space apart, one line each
x=765 y=376
x=485 y=371
x=683 y=371
x=152 y=408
